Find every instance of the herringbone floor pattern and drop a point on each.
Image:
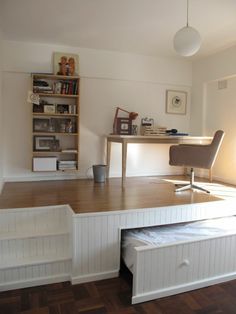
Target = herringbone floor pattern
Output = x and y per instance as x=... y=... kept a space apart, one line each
x=113 y=296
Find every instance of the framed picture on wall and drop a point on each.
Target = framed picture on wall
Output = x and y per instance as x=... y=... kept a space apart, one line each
x=176 y=102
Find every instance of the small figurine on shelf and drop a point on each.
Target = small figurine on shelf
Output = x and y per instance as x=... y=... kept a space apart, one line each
x=63 y=66
x=69 y=127
x=71 y=66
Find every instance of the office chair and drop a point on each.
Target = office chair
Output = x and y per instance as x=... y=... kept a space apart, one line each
x=195 y=156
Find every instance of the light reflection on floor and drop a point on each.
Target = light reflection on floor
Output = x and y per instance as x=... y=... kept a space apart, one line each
x=217 y=189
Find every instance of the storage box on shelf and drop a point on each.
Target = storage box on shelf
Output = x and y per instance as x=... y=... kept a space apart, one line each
x=55 y=122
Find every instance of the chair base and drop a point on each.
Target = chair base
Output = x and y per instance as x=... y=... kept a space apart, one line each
x=184 y=187
x=191 y=185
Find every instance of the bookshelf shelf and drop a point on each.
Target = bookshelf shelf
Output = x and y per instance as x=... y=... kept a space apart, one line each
x=57 y=95
x=55 y=114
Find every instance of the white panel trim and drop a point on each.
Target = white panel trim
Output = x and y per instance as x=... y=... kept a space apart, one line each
x=20 y=209
x=36 y=177
x=209 y=205
x=32 y=282
x=182 y=288
x=94 y=277
x=32 y=261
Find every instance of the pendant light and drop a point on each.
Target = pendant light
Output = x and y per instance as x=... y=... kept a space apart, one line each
x=187 y=40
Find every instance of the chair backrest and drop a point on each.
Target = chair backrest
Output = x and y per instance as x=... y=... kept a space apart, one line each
x=215 y=144
x=196 y=156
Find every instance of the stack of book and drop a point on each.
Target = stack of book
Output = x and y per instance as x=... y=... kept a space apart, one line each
x=153 y=130
x=67 y=165
x=41 y=86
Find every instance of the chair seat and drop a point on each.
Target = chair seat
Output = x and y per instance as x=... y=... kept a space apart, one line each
x=196 y=156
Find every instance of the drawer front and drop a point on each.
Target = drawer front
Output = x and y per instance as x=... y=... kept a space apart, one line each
x=166 y=268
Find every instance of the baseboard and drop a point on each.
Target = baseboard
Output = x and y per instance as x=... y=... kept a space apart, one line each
x=77 y=176
x=44 y=178
x=94 y=277
x=149 y=173
x=223 y=180
x=34 y=282
x=143 y=297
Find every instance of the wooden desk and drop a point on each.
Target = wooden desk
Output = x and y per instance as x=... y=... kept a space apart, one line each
x=140 y=139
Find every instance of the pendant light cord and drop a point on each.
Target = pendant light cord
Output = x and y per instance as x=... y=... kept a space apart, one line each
x=187 y=13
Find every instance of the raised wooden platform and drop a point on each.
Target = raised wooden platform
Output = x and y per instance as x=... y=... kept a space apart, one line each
x=86 y=196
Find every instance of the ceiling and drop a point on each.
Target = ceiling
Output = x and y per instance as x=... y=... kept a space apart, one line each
x=137 y=26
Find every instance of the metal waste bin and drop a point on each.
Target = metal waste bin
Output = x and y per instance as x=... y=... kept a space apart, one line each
x=99 y=173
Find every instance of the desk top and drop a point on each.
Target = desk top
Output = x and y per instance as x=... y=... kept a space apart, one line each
x=159 y=139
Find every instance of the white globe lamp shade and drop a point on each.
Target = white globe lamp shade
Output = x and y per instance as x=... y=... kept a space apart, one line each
x=187 y=41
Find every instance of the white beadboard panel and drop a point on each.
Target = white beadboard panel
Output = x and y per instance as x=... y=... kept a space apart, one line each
x=96 y=241
x=33 y=275
x=182 y=288
x=35 y=246
x=94 y=277
x=18 y=251
x=31 y=221
x=160 y=271
x=39 y=240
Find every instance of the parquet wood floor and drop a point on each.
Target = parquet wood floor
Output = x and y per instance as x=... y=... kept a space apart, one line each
x=113 y=296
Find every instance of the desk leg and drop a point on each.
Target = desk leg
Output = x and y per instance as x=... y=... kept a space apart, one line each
x=185 y=171
x=124 y=160
x=210 y=175
x=108 y=157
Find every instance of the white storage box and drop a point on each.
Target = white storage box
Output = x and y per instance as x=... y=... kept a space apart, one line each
x=44 y=164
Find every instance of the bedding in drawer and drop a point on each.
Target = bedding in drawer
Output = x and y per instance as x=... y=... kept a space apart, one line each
x=160 y=235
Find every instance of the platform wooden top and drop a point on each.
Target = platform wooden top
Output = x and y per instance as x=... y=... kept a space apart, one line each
x=85 y=196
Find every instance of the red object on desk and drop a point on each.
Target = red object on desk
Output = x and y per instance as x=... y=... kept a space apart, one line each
x=123 y=125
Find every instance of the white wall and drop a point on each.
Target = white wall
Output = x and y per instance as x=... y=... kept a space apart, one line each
x=214 y=109
x=214 y=67
x=220 y=112
x=108 y=79
x=1 y=116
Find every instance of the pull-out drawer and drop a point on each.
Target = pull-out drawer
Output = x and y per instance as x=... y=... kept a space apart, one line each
x=172 y=268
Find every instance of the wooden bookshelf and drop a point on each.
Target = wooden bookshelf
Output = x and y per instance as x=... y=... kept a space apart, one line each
x=55 y=122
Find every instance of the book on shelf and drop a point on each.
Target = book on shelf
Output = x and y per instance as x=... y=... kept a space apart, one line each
x=69 y=87
x=67 y=162
x=69 y=151
x=41 y=86
x=67 y=165
x=153 y=130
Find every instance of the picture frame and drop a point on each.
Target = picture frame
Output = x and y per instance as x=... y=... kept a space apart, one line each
x=124 y=126
x=38 y=108
x=44 y=143
x=176 y=102
x=66 y=64
x=63 y=108
x=41 y=125
x=50 y=108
